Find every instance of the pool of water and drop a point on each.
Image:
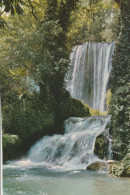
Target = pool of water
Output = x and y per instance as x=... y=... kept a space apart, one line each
x=42 y=181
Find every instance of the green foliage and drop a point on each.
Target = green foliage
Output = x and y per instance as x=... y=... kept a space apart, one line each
x=10 y=6
x=122 y=169
x=26 y=116
x=95 y=21
x=108 y=98
x=32 y=76
x=60 y=10
x=119 y=106
x=40 y=54
x=9 y=140
x=120 y=120
x=10 y=143
x=34 y=51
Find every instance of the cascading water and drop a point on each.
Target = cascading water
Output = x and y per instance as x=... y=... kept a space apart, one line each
x=73 y=150
x=91 y=65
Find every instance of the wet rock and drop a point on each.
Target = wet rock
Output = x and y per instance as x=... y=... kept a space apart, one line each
x=101 y=146
x=103 y=166
x=116 y=168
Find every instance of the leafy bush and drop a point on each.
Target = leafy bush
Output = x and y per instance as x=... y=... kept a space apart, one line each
x=11 y=145
x=122 y=169
x=27 y=117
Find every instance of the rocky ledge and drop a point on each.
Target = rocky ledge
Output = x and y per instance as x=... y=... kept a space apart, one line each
x=102 y=166
x=119 y=169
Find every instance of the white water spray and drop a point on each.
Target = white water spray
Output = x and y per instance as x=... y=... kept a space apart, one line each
x=72 y=151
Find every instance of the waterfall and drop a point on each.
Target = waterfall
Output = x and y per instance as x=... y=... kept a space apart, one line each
x=91 y=65
x=71 y=151
x=110 y=153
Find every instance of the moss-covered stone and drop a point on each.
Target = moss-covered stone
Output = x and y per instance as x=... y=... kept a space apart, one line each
x=104 y=166
x=116 y=168
x=94 y=112
x=73 y=108
x=11 y=145
x=101 y=146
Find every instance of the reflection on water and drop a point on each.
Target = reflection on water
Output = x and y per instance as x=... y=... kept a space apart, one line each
x=41 y=181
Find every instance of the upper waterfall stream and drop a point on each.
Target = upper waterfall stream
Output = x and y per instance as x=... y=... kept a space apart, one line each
x=90 y=69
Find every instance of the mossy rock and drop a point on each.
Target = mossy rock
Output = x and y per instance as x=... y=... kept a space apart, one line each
x=94 y=112
x=104 y=166
x=11 y=145
x=101 y=146
x=73 y=108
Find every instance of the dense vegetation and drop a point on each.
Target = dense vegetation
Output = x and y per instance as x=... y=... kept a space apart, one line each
x=94 y=21
x=120 y=88
x=34 y=53
x=34 y=61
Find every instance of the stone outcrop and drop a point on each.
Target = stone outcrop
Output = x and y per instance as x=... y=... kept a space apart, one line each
x=102 y=166
x=116 y=168
x=101 y=146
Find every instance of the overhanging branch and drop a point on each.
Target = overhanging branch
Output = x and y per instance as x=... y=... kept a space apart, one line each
x=33 y=10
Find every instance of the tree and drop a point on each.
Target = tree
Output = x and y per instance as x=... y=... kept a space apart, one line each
x=119 y=107
x=10 y=6
x=95 y=21
x=35 y=50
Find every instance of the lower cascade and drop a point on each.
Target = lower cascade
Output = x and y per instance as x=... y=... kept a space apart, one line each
x=89 y=74
x=71 y=151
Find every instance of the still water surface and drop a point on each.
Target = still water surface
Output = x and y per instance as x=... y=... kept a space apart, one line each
x=41 y=181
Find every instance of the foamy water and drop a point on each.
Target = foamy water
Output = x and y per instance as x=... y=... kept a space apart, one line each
x=72 y=151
